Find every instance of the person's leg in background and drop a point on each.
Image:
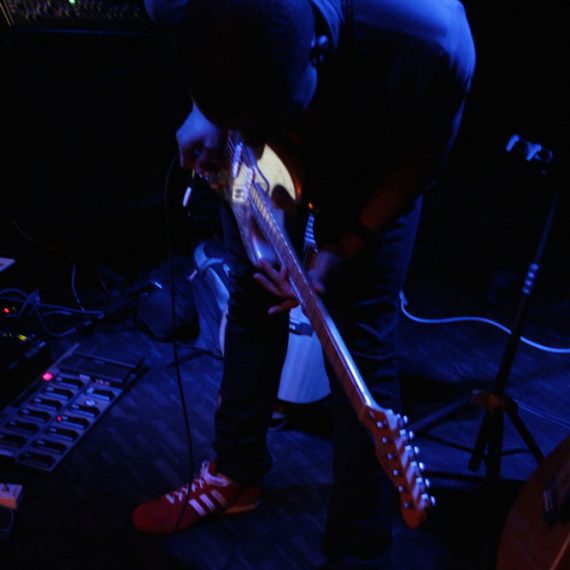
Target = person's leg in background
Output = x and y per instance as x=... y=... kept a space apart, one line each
x=364 y=303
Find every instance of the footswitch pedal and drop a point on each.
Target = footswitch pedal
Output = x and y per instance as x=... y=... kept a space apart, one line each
x=43 y=424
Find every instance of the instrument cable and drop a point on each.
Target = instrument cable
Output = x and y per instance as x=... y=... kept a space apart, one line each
x=174 y=344
x=176 y=359
x=467 y=318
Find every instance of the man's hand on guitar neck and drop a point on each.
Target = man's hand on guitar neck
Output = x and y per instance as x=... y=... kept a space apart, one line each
x=276 y=281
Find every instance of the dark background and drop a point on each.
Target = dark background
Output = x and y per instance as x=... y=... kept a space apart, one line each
x=88 y=123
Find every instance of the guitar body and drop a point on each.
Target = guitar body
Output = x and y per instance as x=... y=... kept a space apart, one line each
x=536 y=535
x=283 y=186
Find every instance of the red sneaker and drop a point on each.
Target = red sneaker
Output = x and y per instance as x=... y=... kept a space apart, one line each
x=209 y=494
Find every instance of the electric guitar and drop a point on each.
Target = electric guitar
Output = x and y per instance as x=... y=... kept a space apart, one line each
x=253 y=186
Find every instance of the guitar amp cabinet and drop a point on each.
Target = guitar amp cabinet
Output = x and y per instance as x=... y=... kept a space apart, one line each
x=98 y=16
x=41 y=426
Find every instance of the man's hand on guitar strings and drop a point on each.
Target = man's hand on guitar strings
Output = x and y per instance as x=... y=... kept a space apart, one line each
x=276 y=281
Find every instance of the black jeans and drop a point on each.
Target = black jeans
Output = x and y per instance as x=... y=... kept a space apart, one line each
x=363 y=300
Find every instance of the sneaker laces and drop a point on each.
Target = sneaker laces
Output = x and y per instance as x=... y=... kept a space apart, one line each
x=204 y=479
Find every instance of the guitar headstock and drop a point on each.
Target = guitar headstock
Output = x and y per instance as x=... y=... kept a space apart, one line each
x=399 y=459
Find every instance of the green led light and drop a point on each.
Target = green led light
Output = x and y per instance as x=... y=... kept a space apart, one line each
x=72 y=1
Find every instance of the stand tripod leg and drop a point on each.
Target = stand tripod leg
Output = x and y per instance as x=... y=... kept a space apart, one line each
x=492 y=439
x=480 y=443
x=494 y=448
x=512 y=412
x=440 y=416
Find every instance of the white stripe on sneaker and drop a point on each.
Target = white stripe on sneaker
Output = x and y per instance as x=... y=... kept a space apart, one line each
x=206 y=500
x=219 y=497
x=197 y=507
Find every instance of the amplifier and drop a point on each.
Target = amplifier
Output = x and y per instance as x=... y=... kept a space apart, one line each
x=102 y=16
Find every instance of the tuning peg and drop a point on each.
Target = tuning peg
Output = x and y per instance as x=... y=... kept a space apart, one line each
x=405 y=420
x=416 y=450
x=421 y=466
x=432 y=501
x=427 y=483
x=411 y=435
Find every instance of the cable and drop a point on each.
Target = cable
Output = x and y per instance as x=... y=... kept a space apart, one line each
x=175 y=356
x=59 y=252
x=73 y=289
x=3 y=297
x=463 y=319
x=33 y=301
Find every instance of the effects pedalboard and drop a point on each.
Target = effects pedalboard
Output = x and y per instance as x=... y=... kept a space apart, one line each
x=41 y=426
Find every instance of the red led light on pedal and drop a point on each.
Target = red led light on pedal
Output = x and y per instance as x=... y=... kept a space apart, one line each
x=47 y=376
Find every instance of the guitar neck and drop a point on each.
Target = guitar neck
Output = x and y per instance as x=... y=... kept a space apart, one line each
x=251 y=193
x=333 y=346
